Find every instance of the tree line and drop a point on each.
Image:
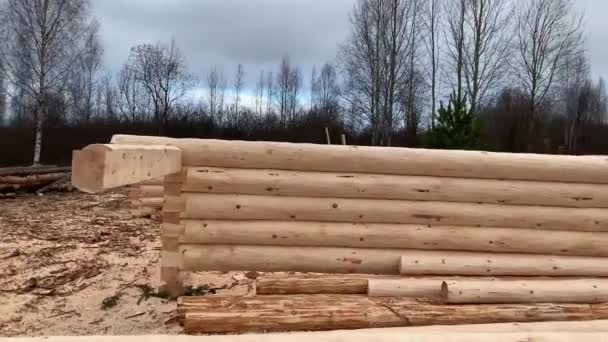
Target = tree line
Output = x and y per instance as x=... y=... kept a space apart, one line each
x=507 y=75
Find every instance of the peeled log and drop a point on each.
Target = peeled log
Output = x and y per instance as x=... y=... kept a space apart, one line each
x=406 y=287
x=477 y=291
x=383 y=160
x=330 y=312
x=252 y=207
x=311 y=284
x=101 y=167
x=488 y=264
x=296 y=259
x=155 y=203
x=150 y=191
x=369 y=235
x=360 y=185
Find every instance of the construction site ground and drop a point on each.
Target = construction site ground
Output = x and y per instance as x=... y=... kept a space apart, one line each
x=81 y=264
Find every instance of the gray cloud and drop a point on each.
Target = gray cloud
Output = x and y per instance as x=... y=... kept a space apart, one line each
x=257 y=33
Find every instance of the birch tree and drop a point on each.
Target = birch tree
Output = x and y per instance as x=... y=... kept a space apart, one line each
x=46 y=37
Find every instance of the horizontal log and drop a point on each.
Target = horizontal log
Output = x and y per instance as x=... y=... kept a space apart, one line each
x=252 y=207
x=383 y=160
x=328 y=312
x=100 y=167
x=415 y=262
x=296 y=259
x=429 y=288
x=359 y=185
x=311 y=284
x=147 y=191
x=155 y=203
x=33 y=170
x=369 y=235
x=477 y=291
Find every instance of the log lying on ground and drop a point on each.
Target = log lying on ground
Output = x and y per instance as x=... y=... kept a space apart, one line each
x=100 y=167
x=33 y=170
x=362 y=235
x=155 y=203
x=477 y=291
x=296 y=259
x=415 y=262
x=384 y=160
x=359 y=185
x=30 y=182
x=252 y=207
x=311 y=284
x=328 y=312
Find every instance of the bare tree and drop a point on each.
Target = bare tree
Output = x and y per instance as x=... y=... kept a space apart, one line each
x=375 y=61
x=238 y=87
x=132 y=99
x=3 y=97
x=295 y=86
x=432 y=16
x=313 y=86
x=46 y=37
x=269 y=92
x=213 y=80
x=455 y=42
x=547 y=33
x=327 y=91
x=487 y=47
x=84 y=81
x=260 y=93
x=283 y=88
x=160 y=68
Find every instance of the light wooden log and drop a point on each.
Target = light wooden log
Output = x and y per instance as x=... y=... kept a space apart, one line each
x=156 y=203
x=477 y=291
x=252 y=207
x=100 y=167
x=332 y=234
x=406 y=287
x=479 y=264
x=354 y=185
x=384 y=160
x=327 y=312
x=296 y=259
x=311 y=284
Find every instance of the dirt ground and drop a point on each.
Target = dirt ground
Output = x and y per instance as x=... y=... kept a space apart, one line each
x=80 y=264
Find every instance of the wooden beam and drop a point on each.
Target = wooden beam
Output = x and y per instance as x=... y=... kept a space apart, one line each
x=478 y=291
x=400 y=236
x=378 y=186
x=100 y=167
x=415 y=262
x=383 y=160
x=311 y=284
x=277 y=208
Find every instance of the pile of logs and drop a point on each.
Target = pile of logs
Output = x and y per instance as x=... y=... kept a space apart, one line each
x=39 y=179
x=465 y=236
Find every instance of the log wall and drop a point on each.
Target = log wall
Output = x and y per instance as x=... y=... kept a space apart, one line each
x=258 y=206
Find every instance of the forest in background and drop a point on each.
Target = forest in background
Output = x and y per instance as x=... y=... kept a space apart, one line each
x=499 y=75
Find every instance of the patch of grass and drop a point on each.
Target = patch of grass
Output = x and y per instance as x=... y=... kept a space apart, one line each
x=148 y=292
x=111 y=301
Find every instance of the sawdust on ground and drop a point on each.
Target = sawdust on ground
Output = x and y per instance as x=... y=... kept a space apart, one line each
x=62 y=256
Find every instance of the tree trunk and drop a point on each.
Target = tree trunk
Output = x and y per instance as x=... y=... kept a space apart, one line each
x=39 y=129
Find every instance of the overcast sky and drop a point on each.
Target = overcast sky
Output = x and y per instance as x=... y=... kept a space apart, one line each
x=257 y=33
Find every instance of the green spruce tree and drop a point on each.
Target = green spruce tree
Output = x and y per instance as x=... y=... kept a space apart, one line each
x=455 y=127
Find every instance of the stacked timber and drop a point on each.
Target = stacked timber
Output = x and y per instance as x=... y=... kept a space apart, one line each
x=465 y=236
x=39 y=179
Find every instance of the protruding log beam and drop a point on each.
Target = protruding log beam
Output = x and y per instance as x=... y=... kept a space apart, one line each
x=379 y=186
x=99 y=167
x=478 y=291
x=383 y=160
x=252 y=207
x=490 y=264
x=329 y=312
x=369 y=235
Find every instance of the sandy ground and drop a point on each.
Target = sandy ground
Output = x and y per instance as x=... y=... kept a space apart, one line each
x=63 y=255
